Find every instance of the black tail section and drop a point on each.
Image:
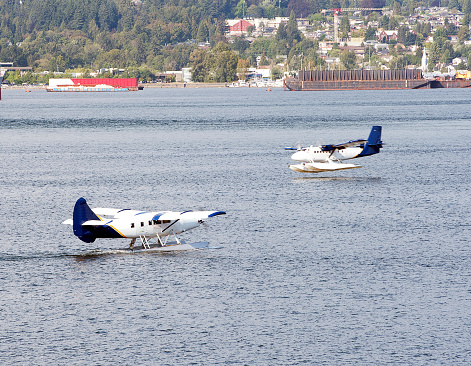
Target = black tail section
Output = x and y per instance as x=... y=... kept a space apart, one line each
x=83 y=213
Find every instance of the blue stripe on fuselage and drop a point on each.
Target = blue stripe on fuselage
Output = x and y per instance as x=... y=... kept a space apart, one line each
x=156 y=217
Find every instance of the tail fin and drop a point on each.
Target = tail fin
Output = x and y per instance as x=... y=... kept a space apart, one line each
x=374 y=142
x=81 y=214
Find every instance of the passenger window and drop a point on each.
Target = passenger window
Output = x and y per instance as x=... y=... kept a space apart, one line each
x=142 y=224
x=132 y=225
x=150 y=222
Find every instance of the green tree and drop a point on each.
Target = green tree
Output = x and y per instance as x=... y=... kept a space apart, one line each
x=344 y=27
x=466 y=8
x=203 y=33
x=242 y=68
x=370 y=34
x=348 y=60
x=281 y=32
x=240 y=9
x=434 y=55
x=263 y=60
x=226 y=66
x=293 y=35
x=396 y=63
x=427 y=29
x=276 y=73
x=393 y=23
x=463 y=34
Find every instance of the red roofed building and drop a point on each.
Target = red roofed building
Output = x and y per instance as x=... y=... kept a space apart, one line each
x=239 y=27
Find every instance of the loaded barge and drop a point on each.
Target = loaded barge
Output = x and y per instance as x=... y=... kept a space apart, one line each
x=368 y=80
x=93 y=85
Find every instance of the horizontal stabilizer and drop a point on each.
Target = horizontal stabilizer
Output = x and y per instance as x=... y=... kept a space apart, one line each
x=106 y=211
x=94 y=223
x=68 y=222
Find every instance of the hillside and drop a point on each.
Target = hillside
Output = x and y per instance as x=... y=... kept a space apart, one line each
x=51 y=34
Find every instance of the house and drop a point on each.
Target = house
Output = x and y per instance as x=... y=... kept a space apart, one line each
x=325 y=47
x=274 y=23
x=429 y=39
x=457 y=60
x=8 y=66
x=453 y=38
x=331 y=62
x=357 y=50
x=239 y=26
x=386 y=35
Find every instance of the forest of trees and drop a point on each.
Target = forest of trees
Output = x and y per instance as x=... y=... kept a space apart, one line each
x=158 y=35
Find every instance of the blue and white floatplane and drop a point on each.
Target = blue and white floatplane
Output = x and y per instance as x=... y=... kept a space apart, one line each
x=90 y=224
x=327 y=158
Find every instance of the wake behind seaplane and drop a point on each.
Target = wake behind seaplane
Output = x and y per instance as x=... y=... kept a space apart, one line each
x=89 y=224
x=325 y=158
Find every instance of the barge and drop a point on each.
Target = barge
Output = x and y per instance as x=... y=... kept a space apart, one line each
x=368 y=80
x=93 y=85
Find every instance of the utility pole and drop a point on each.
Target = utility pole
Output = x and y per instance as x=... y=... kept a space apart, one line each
x=2 y=74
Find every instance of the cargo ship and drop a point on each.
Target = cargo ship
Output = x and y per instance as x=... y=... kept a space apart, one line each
x=369 y=80
x=93 y=85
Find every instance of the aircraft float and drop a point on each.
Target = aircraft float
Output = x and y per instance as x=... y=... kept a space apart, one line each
x=89 y=224
x=326 y=158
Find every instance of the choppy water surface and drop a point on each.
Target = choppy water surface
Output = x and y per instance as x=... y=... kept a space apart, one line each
x=367 y=266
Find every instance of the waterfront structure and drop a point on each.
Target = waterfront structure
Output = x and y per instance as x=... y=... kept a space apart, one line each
x=92 y=85
x=369 y=79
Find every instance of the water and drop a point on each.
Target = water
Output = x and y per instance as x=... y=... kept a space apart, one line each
x=365 y=266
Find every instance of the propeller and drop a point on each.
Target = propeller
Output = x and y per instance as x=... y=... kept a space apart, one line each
x=320 y=142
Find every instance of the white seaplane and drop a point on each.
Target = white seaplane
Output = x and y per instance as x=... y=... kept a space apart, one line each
x=326 y=158
x=89 y=224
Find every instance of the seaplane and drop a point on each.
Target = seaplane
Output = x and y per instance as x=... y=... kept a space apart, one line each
x=90 y=224
x=327 y=158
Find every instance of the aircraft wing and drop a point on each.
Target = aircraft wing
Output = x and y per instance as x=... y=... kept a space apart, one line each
x=348 y=144
x=196 y=215
x=95 y=223
x=201 y=215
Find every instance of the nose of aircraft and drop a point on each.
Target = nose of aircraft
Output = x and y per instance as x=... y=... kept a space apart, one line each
x=189 y=222
x=298 y=156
